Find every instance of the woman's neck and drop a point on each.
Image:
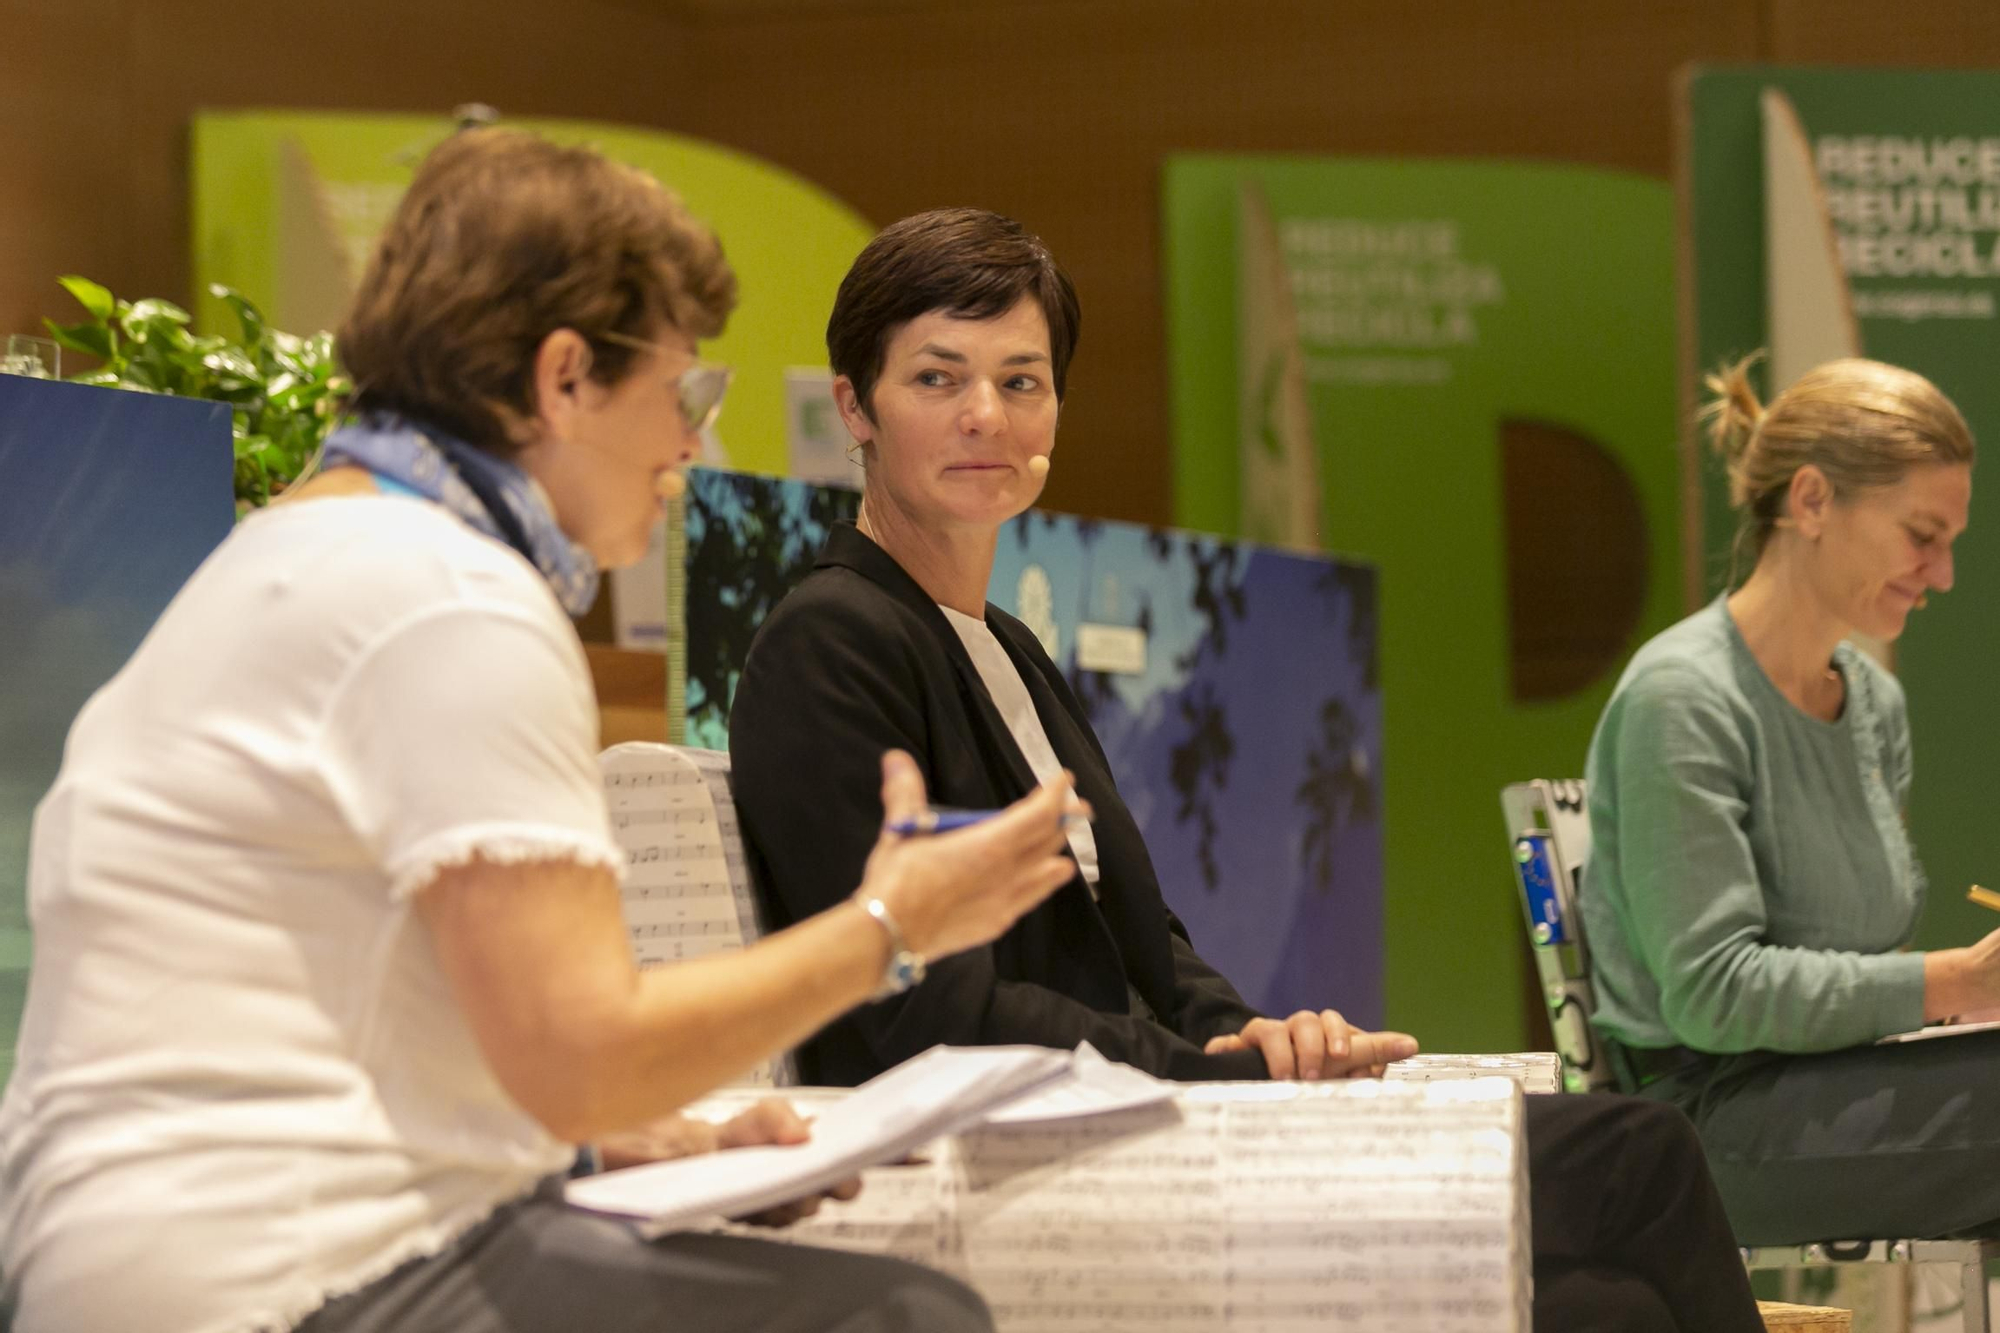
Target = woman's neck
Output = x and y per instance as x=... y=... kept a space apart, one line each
x=952 y=565
x=1790 y=631
x=343 y=480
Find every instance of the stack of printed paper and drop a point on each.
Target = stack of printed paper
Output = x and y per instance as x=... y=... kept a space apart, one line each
x=1390 y=1206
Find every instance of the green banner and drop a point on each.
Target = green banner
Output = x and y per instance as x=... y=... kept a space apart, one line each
x=287 y=205
x=1461 y=372
x=1857 y=212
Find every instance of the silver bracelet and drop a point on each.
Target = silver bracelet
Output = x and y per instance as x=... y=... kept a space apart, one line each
x=905 y=967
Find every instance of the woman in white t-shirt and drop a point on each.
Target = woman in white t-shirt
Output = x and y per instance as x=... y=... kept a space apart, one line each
x=330 y=974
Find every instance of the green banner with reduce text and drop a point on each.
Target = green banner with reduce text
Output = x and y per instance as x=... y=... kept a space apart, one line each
x=1462 y=372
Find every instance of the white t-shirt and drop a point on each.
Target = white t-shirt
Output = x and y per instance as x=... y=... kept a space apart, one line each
x=243 y=1083
x=1017 y=709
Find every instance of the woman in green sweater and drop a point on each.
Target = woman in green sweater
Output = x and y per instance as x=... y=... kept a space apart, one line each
x=1751 y=884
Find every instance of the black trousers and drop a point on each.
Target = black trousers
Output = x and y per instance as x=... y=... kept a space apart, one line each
x=538 y=1266
x=1870 y=1143
x=1629 y=1232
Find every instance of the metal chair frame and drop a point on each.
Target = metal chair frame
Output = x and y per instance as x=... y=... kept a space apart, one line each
x=1970 y=1257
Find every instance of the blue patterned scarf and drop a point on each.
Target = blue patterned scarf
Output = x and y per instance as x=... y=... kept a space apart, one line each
x=445 y=470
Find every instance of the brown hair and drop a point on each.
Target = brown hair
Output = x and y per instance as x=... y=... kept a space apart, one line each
x=1861 y=423
x=502 y=239
x=964 y=261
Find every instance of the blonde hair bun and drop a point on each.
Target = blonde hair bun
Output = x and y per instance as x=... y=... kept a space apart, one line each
x=1732 y=415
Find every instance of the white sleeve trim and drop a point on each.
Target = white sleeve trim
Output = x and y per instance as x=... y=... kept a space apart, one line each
x=509 y=842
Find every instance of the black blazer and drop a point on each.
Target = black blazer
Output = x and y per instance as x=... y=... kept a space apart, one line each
x=858 y=659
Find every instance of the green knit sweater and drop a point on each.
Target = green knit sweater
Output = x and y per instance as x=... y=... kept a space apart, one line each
x=1750 y=880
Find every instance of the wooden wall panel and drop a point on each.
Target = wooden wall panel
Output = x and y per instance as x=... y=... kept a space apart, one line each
x=63 y=152
x=97 y=96
x=1941 y=33
x=1060 y=113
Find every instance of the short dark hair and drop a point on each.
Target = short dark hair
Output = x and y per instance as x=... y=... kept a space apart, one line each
x=501 y=239
x=964 y=261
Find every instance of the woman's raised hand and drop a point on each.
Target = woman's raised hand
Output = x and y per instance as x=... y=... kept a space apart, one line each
x=952 y=891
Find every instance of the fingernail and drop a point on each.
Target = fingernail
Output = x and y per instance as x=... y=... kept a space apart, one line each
x=1404 y=1046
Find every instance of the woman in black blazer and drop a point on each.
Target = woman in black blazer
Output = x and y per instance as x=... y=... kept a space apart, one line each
x=858 y=660
x=951 y=339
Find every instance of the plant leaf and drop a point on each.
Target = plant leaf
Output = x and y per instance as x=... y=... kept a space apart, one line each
x=230 y=366
x=92 y=296
x=280 y=387
x=290 y=352
x=91 y=339
x=154 y=319
x=154 y=308
x=147 y=372
x=248 y=317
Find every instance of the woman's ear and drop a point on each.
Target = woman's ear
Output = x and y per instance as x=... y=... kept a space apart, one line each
x=1808 y=499
x=561 y=372
x=852 y=414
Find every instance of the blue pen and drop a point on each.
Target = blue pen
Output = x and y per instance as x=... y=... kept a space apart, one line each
x=943 y=819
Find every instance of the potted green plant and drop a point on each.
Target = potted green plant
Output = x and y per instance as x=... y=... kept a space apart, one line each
x=283 y=390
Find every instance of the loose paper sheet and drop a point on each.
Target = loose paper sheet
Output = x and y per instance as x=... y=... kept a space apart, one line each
x=937 y=1093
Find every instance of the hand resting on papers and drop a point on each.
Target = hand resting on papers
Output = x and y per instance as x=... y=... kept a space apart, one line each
x=1312 y=1046
x=771 y=1121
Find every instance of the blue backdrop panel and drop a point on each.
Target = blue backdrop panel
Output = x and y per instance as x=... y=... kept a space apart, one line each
x=1248 y=747
x=108 y=501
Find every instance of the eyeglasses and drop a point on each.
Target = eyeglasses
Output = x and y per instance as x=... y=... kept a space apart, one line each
x=701 y=385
